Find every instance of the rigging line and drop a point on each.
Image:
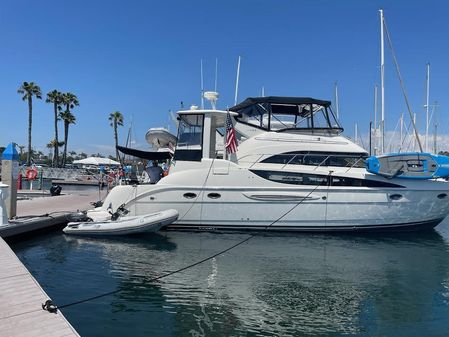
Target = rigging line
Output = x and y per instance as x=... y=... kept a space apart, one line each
x=198 y=262
x=409 y=109
x=394 y=134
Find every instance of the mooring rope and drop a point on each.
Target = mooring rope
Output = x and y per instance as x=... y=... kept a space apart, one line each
x=52 y=308
x=195 y=263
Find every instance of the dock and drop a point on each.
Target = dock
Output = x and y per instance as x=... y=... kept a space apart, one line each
x=21 y=299
x=44 y=212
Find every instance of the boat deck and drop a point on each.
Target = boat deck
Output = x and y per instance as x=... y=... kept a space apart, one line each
x=21 y=297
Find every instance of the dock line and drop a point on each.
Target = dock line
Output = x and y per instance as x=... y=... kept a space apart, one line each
x=191 y=265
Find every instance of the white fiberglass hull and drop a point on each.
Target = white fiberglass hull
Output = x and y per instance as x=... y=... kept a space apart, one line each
x=124 y=225
x=290 y=209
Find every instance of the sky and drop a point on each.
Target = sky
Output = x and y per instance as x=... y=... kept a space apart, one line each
x=142 y=58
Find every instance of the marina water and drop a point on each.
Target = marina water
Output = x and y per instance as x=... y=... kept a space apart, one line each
x=273 y=285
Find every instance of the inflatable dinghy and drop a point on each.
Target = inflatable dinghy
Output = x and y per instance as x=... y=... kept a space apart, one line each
x=411 y=165
x=124 y=225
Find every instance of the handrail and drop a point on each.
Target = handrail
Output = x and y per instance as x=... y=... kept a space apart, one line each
x=289 y=161
x=321 y=162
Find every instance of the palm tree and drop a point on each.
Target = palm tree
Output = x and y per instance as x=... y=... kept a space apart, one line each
x=55 y=97
x=70 y=101
x=116 y=119
x=28 y=90
x=68 y=119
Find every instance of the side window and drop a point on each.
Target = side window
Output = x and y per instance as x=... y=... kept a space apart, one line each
x=319 y=159
x=292 y=177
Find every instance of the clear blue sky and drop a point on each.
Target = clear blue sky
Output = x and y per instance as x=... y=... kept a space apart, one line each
x=142 y=58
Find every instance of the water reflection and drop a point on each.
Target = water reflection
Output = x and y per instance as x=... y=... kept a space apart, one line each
x=283 y=285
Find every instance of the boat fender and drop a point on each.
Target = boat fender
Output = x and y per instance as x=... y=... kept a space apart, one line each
x=50 y=306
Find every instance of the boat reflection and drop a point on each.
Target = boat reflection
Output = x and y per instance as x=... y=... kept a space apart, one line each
x=281 y=284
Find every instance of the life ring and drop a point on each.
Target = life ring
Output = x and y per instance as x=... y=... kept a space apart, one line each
x=31 y=173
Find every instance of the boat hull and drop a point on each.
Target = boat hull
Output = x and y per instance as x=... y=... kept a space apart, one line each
x=125 y=226
x=305 y=209
x=353 y=228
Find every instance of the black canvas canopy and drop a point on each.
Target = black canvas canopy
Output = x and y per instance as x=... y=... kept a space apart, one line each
x=149 y=155
x=279 y=101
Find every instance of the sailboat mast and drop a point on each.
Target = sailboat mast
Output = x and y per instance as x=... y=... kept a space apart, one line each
x=376 y=144
x=402 y=131
x=382 y=82
x=427 y=105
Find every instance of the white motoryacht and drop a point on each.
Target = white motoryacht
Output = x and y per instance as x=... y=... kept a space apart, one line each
x=293 y=171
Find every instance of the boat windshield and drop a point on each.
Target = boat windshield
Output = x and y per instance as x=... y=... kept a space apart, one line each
x=293 y=114
x=190 y=131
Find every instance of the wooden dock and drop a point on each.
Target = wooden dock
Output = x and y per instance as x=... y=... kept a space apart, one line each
x=32 y=212
x=21 y=297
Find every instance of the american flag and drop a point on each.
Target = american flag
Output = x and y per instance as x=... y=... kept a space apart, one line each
x=231 y=141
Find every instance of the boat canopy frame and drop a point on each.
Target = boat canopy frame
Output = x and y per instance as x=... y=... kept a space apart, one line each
x=301 y=108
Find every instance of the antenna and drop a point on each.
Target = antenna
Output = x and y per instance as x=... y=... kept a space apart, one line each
x=237 y=82
x=202 y=86
x=216 y=73
x=336 y=101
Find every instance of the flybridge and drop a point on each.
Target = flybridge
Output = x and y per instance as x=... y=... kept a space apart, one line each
x=279 y=114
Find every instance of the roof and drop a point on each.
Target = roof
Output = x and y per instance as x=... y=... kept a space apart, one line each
x=96 y=161
x=279 y=100
x=150 y=155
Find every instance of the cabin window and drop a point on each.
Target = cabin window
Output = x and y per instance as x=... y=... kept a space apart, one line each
x=190 y=137
x=292 y=177
x=319 y=159
x=295 y=178
x=289 y=116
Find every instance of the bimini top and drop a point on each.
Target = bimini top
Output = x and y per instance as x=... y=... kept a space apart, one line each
x=279 y=102
x=274 y=113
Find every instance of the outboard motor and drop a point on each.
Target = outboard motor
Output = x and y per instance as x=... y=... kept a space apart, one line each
x=55 y=190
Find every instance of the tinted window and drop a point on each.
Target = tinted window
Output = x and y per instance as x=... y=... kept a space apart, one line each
x=319 y=159
x=322 y=180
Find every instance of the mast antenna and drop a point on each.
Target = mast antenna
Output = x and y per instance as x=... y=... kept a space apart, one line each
x=216 y=73
x=202 y=85
x=336 y=101
x=237 y=82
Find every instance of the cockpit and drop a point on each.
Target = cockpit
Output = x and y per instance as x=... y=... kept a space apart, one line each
x=288 y=114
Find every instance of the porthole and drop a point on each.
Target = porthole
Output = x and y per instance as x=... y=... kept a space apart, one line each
x=214 y=195
x=442 y=196
x=395 y=196
x=189 y=195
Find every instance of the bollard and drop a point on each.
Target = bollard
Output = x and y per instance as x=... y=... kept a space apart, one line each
x=10 y=173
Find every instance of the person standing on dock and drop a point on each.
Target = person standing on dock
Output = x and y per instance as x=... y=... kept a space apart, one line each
x=155 y=172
